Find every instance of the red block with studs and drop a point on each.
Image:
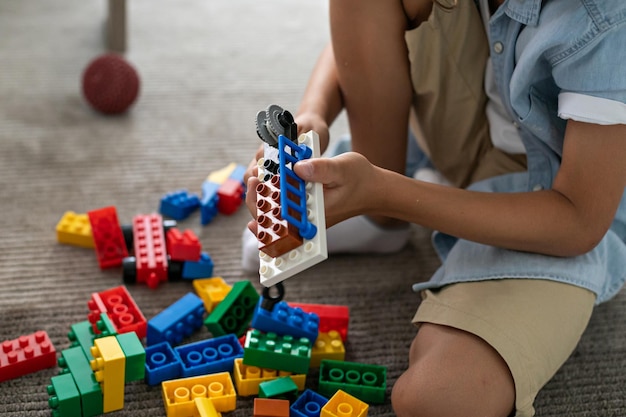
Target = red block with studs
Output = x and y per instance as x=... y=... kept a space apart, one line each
x=26 y=354
x=183 y=246
x=230 y=196
x=332 y=317
x=121 y=308
x=150 y=249
x=276 y=236
x=108 y=237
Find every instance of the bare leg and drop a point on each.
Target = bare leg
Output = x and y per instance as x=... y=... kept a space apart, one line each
x=453 y=373
x=373 y=73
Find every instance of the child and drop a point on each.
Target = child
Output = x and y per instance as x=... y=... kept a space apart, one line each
x=521 y=104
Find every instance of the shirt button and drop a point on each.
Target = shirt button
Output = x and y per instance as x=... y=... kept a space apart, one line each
x=498 y=47
x=538 y=187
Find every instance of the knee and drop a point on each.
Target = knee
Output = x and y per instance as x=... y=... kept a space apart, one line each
x=410 y=397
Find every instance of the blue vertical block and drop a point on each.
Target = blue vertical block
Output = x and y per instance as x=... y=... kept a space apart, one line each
x=178 y=205
x=286 y=320
x=308 y=404
x=162 y=364
x=202 y=268
x=177 y=321
x=208 y=202
x=209 y=356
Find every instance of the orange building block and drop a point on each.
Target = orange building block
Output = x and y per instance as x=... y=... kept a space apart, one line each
x=269 y=407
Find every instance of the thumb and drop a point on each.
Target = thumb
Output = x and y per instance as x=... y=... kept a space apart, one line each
x=320 y=170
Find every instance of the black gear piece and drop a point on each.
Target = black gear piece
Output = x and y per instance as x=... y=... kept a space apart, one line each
x=273 y=122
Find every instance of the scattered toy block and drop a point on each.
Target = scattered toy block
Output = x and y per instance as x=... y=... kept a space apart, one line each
x=248 y=378
x=162 y=363
x=230 y=196
x=364 y=381
x=234 y=313
x=343 y=404
x=179 y=204
x=150 y=249
x=120 y=307
x=286 y=320
x=74 y=362
x=183 y=246
x=75 y=229
x=283 y=388
x=309 y=404
x=179 y=394
x=327 y=346
x=268 y=407
x=26 y=354
x=211 y=290
x=209 y=356
x=109 y=365
x=64 y=398
x=209 y=202
x=202 y=268
x=332 y=317
x=135 y=356
x=108 y=237
x=205 y=408
x=177 y=321
x=286 y=353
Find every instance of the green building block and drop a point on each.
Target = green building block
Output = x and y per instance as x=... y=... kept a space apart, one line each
x=135 y=356
x=366 y=382
x=281 y=388
x=64 y=397
x=74 y=362
x=81 y=334
x=234 y=313
x=285 y=353
x=105 y=326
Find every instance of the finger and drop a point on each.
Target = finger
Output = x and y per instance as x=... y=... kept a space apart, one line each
x=253 y=226
x=323 y=170
x=251 y=171
x=253 y=182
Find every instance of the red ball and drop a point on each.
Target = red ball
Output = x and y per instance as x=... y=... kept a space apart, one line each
x=110 y=84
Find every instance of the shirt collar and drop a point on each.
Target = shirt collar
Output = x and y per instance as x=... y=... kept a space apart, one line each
x=524 y=11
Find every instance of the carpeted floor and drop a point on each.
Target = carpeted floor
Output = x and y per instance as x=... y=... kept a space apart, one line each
x=206 y=68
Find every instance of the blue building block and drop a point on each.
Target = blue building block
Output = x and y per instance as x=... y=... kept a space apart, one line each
x=238 y=173
x=178 y=205
x=308 y=404
x=177 y=321
x=293 y=189
x=208 y=202
x=286 y=320
x=202 y=268
x=209 y=356
x=162 y=364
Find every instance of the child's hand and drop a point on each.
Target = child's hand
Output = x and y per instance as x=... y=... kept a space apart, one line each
x=314 y=122
x=349 y=184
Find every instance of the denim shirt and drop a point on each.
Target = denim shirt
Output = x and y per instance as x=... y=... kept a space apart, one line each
x=540 y=49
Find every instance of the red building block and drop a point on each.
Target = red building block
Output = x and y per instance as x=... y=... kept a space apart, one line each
x=108 y=237
x=332 y=317
x=26 y=354
x=121 y=308
x=230 y=196
x=150 y=249
x=183 y=246
x=276 y=236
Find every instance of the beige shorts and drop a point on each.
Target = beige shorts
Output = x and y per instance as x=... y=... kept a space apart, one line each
x=533 y=324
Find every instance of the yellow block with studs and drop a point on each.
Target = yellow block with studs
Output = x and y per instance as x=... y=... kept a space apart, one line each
x=109 y=364
x=75 y=229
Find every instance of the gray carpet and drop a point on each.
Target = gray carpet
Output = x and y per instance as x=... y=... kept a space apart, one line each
x=206 y=68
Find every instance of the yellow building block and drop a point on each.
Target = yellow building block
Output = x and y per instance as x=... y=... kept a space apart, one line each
x=222 y=175
x=179 y=394
x=205 y=408
x=248 y=378
x=211 y=290
x=343 y=404
x=108 y=365
x=75 y=229
x=327 y=346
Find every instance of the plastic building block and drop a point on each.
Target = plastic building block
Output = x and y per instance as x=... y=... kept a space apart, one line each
x=209 y=202
x=135 y=355
x=276 y=236
x=177 y=321
x=343 y=404
x=179 y=394
x=209 y=356
x=221 y=175
x=74 y=229
x=121 y=308
x=183 y=246
x=332 y=317
x=205 y=408
x=26 y=354
x=283 y=388
x=247 y=378
x=238 y=173
x=74 y=362
x=108 y=237
x=366 y=382
x=212 y=291
x=269 y=407
x=327 y=346
x=81 y=335
x=230 y=196
x=109 y=365
x=64 y=396
x=202 y=268
x=309 y=404
x=150 y=249
x=313 y=250
x=105 y=327
x=162 y=363
x=286 y=353
x=286 y=320
x=179 y=204
x=234 y=313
